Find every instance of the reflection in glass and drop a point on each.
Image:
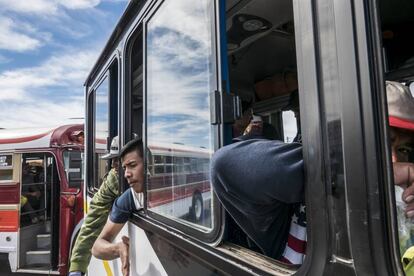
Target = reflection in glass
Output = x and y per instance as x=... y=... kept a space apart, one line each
x=290 y=128
x=101 y=128
x=179 y=80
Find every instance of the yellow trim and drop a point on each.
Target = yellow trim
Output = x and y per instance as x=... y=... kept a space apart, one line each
x=85 y=207
x=107 y=268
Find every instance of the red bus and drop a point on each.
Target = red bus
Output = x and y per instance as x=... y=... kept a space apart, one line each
x=178 y=182
x=41 y=201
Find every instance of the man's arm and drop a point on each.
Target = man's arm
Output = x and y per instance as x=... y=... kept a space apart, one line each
x=94 y=222
x=106 y=250
x=103 y=247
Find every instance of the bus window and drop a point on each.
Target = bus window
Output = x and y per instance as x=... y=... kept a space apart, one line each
x=397 y=32
x=101 y=130
x=179 y=69
x=263 y=73
x=290 y=128
x=73 y=164
x=134 y=102
x=102 y=123
x=6 y=167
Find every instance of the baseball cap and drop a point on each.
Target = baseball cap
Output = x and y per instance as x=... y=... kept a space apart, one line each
x=400 y=105
x=113 y=151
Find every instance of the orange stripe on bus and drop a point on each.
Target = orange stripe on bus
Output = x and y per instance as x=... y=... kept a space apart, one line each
x=9 y=220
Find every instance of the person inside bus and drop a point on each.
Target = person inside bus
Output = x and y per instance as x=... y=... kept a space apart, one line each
x=131 y=200
x=99 y=208
x=263 y=210
x=31 y=194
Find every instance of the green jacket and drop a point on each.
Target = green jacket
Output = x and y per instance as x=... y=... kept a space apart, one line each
x=95 y=220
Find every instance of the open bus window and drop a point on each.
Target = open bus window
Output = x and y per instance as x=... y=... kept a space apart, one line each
x=262 y=69
x=6 y=167
x=179 y=67
x=134 y=98
x=397 y=25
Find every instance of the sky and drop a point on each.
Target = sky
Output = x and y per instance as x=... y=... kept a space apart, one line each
x=47 y=48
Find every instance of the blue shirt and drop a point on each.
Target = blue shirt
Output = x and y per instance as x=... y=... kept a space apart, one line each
x=123 y=207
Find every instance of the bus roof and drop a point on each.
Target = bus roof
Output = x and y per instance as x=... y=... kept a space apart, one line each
x=175 y=149
x=32 y=138
x=125 y=20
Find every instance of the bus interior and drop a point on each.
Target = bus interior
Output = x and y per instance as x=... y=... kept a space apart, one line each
x=263 y=73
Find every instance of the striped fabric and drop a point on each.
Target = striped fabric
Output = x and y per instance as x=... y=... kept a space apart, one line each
x=296 y=245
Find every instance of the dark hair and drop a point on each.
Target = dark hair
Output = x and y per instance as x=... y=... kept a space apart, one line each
x=135 y=144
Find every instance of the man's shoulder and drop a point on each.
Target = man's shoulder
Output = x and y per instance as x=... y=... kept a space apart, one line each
x=125 y=200
x=112 y=176
x=122 y=208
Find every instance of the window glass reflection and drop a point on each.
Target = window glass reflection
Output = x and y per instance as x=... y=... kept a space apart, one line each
x=179 y=80
x=101 y=128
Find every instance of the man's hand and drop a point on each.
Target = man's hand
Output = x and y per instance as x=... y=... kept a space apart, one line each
x=123 y=249
x=404 y=177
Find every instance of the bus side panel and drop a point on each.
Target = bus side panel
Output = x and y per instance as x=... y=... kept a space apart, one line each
x=100 y=267
x=10 y=193
x=10 y=209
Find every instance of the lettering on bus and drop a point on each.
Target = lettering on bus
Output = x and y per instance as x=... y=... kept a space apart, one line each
x=5 y=160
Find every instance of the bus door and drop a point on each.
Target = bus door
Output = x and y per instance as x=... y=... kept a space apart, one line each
x=71 y=201
x=39 y=217
x=9 y=206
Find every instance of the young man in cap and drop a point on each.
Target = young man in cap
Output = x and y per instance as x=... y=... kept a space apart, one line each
x=401 y=120
x=131 y=200
x=98 y=213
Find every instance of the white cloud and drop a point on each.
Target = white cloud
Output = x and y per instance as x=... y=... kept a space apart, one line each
x=79 y=4
x=45 y=7
x=43 y=113
x=59 y=70
x=31 y=7
x=22 y=98
x=13 y=39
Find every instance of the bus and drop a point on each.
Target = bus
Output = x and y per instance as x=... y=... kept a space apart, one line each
x=178 y=181
x=41 y=199
x=189 y=74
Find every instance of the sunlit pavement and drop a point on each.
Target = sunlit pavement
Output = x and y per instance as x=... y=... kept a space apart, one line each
x=5 y=268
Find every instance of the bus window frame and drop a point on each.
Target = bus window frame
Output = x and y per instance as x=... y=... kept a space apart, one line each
x=90 y=127
x=214 y=235
x=10 y=167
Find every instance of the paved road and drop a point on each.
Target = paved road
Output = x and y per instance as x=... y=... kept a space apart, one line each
x=5 y=267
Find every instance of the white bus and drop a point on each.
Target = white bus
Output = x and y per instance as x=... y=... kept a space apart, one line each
x=179 y=73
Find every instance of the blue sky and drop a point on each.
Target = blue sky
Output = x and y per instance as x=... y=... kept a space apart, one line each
x=47 y=48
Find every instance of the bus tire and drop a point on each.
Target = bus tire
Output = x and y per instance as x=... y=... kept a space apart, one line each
x=197 y=207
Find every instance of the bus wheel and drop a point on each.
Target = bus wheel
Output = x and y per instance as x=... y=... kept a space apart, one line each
x=197 y=207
